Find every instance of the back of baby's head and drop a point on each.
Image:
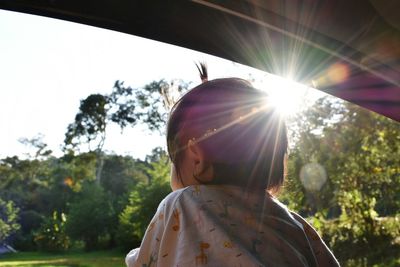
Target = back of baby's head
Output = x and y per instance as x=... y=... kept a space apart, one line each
x=241 y=135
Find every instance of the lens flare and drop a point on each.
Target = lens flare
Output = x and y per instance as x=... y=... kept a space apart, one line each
x=286 y=95
x=68 y=181
x=335 y=74
x=313 y=176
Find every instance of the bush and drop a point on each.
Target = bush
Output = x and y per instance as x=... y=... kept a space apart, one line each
x=143 y=203
x=8 y=219
x=358 y=236
x=52 y=235
x=30 y=221
x=90 y=216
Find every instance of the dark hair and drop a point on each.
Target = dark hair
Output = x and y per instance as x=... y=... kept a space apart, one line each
x=242 y=136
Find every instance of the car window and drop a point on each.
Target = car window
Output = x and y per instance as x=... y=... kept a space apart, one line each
x=83 y=164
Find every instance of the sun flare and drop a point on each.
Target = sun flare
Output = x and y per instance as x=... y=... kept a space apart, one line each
x=287 y=96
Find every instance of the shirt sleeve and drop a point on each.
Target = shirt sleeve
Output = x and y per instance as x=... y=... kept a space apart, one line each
x=131 y=258
x=321 y=251
x=151 y=249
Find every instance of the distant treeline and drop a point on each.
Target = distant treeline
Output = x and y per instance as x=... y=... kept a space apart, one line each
x=53 y=204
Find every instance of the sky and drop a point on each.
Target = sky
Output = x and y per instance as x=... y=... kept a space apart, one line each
x=47 y=66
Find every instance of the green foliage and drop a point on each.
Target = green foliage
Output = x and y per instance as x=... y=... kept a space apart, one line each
x=90 y=122
x=20 y=176
x=90 y=216
x=8 y=219
x=358 y=230
x=40 y=186
x=143 y=202
x=30 y=221
x=358 y=245
x=26 y=182
x=52 y=235
x=71 y=171
x=120 y=174
x=356 y=209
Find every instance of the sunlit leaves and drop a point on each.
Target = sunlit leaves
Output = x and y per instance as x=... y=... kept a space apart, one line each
x=8 y=219
x=360 y=151
x=52 y=236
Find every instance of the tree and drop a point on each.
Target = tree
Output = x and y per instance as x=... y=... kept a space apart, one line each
x=52 y=235
x=120 y=174
x=359 y=151
x=8 y=219
x=26 y=183
x=143 y=202
x=90 y=216
x=125 y=107
x=90 y=122
x=30 y=221
x=37 y=143
x=23 y=181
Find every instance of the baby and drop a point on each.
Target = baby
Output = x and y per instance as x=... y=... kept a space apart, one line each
x=228 y=147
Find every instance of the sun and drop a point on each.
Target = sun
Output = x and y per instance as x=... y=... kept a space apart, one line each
x=286 y=95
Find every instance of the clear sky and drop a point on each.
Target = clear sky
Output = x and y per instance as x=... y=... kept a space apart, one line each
x=47 y=66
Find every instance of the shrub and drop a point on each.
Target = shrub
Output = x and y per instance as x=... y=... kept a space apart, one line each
x=90 y=216
x=358 y=236
x=143 y=202
x=52 y=235
x=8 y=219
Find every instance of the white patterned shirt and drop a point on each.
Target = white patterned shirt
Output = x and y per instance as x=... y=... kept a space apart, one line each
x=210 y=225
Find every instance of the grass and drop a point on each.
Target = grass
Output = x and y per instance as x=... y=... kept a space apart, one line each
x=70 y=259
x=99 y=259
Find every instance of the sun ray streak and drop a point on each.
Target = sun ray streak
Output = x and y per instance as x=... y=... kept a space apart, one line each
x=232 y=123
x=296 y=37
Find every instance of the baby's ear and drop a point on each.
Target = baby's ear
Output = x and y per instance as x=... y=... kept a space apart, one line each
x=203 y=170
x=193 y=151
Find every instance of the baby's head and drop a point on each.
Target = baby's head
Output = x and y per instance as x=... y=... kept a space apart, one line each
x=225 y=132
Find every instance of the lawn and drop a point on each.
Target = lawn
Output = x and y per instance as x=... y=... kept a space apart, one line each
x=70 y=259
